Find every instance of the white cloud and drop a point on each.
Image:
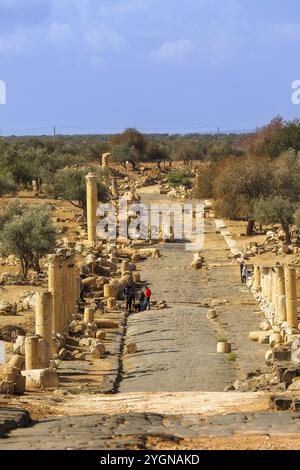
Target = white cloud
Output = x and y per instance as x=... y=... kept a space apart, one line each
x=13 y=43
x=104 y=39
x=176 y=51
x=60 y=33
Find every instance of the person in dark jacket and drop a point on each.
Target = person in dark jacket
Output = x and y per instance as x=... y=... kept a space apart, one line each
x=129 y=297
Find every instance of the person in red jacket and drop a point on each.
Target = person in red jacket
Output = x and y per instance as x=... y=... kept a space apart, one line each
x=148 y=297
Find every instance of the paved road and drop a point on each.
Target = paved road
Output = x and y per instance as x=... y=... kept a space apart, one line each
x=132 y=431
x=175 y=345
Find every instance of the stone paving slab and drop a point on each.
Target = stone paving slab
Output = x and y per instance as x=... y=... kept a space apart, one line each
x=132 y=430
x=12 y=419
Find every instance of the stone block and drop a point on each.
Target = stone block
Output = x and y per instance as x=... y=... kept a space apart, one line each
x=17 y=361
x=98 y=350
x=20 y=384
x=19 y=345
x=40 y=379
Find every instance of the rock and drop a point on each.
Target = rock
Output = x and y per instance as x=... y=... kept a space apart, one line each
x=98 y=350
x=100 y=334
x=19 y=345
x=63 y=354
x=80 y=356
x=295 y=356
x=7 y=308
x=7 y=387
x=86 y=342
x=296 y=344
x=90 y=333
x=265 y=325
x=211 y=314
x=196 y=264
x=40 y=379
x=269 y=357
x=274 y=339
x=132 y=348
x=295 y=385
x=76 y=327
x=17 y=361
x=20 y=383
x=162 y=304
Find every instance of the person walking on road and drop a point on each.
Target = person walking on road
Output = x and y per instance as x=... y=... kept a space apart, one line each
x=245 y=274
x=148 y=298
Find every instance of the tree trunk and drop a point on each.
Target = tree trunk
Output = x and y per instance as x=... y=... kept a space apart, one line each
x=250 y=228
x=286 y=229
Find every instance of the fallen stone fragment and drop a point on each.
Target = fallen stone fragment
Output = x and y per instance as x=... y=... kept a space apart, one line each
x=98 y=350
x=211 y=314
x=19 y=345
x=132 y=348
x=100 y=334
x=106 y=323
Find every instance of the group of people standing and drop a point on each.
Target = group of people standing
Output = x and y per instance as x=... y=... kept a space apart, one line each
x=143 y=299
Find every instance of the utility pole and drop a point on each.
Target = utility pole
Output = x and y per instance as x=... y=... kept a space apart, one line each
x=218 y=135
x=54 y=133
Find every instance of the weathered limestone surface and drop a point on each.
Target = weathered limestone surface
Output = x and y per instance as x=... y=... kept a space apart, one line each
x=123 y=431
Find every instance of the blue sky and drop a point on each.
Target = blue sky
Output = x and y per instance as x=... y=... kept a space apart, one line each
x=158 y=65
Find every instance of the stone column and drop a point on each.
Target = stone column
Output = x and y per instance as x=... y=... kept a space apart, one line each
x=274 y=290
x=281 y=300
x=269 y=286
x=55 y=287
x=91 y=203
x=291 y=297
x=114 y=187
x=70 y=288
x=64 y=284
x=105 y=160
x=32 y=353
x=257 y=281
x=89 y=315
x=263 y=277
x=44 y=319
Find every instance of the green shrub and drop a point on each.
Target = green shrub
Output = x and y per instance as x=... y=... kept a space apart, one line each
x=180 y=178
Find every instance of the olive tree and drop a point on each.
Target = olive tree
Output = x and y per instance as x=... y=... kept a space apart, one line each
x=273 y=210
x=69 y=184
x=27 y=232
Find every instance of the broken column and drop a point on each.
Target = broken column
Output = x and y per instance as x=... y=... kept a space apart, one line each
x=281 y=300
x=32 y=353
x=105 y=160
x=114 y=187
x=91 y=203
x=256 y=284
x=55 y=287
x=89 y=315
x=263 y=281
x=44 y=320
x=70 y=289
x=269 y=286
x=291 y=297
